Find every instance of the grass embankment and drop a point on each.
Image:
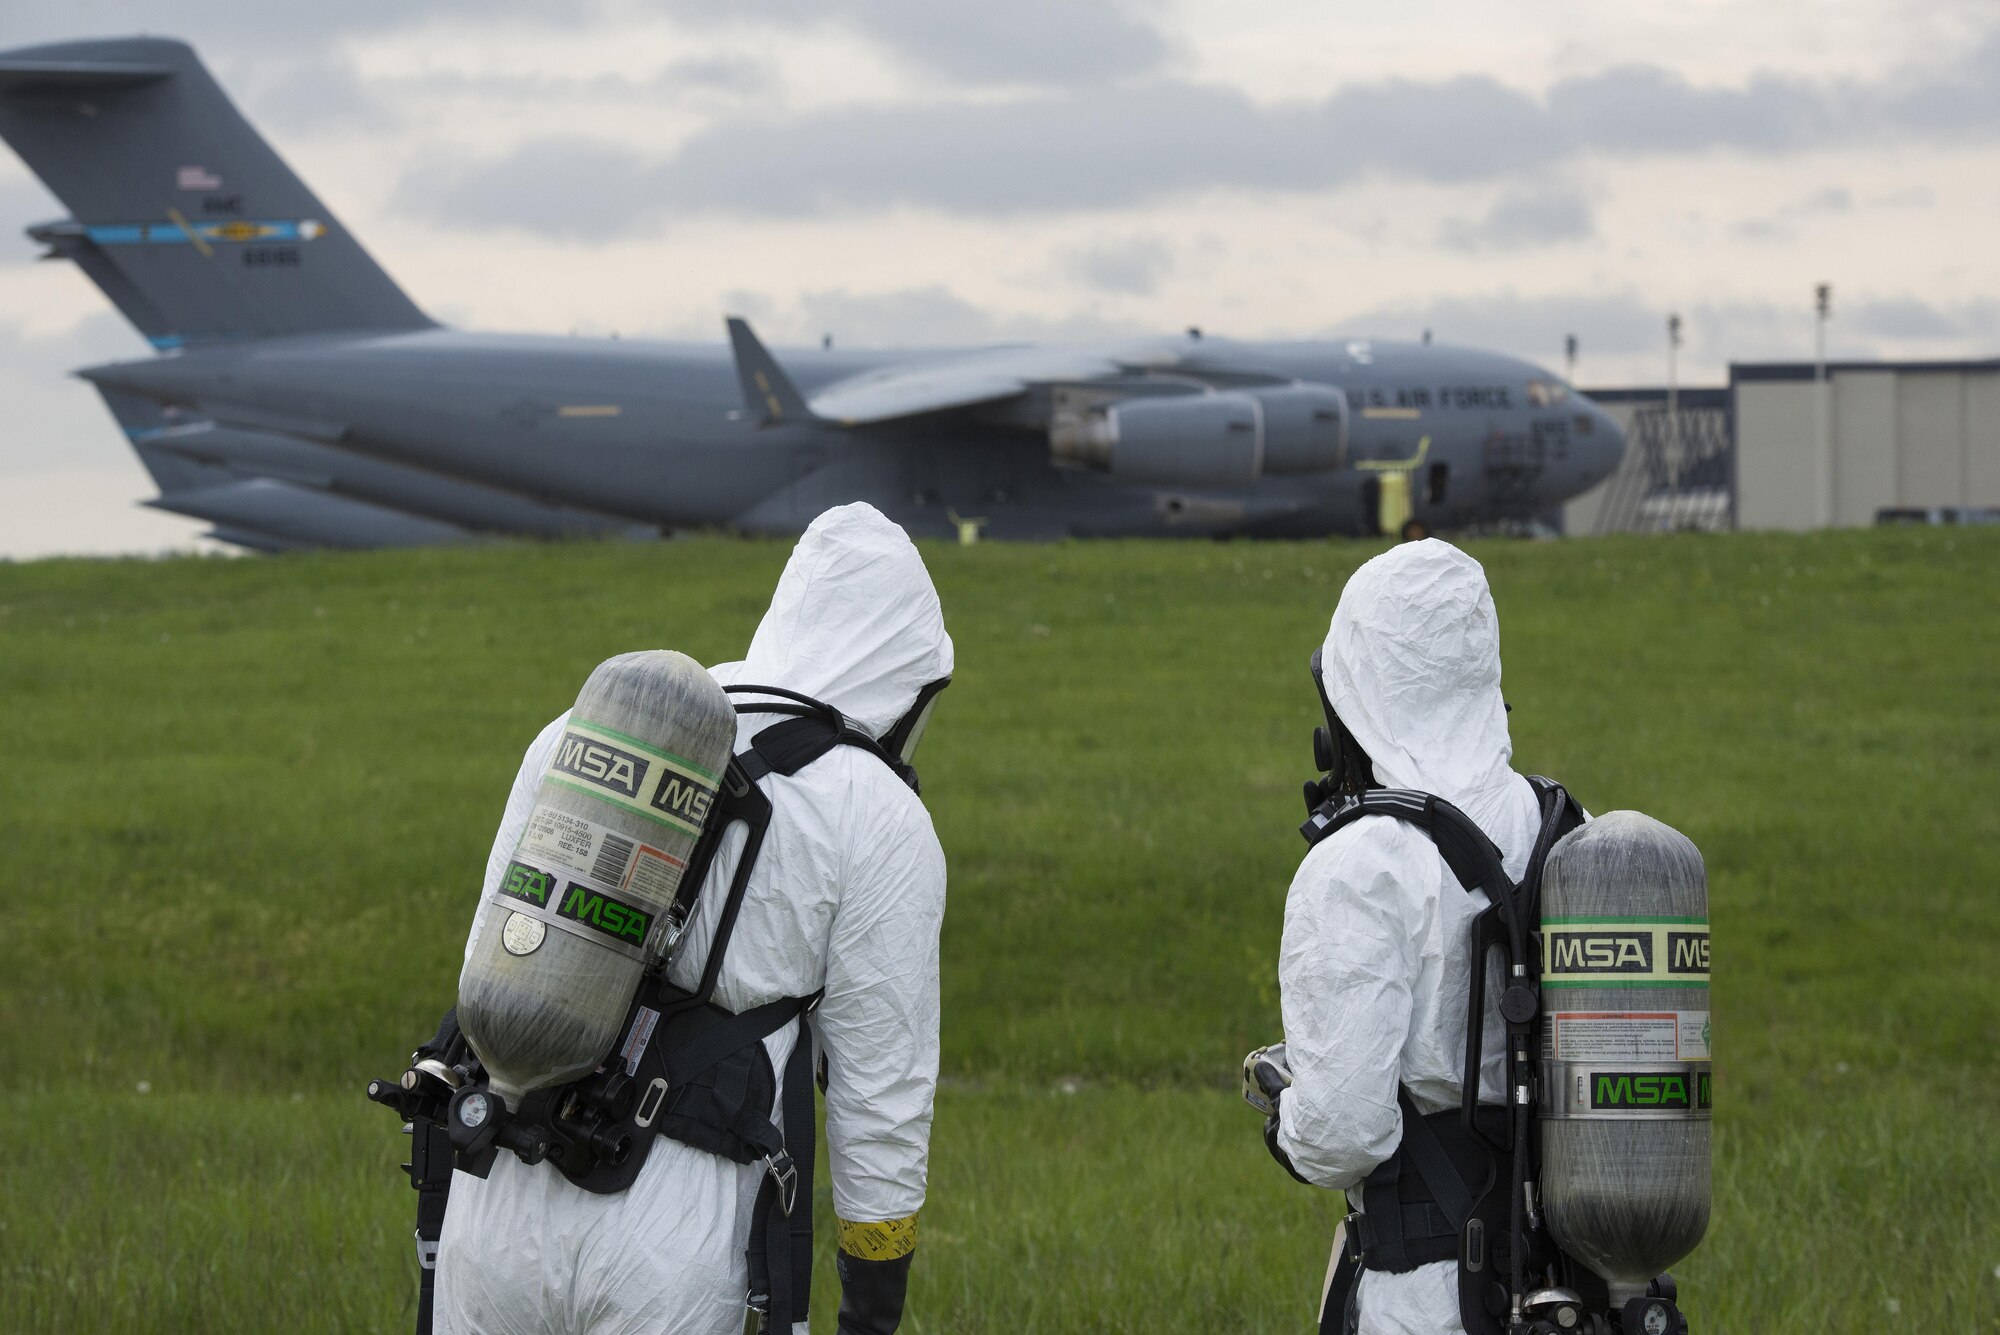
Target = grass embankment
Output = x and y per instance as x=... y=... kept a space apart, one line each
x=245 y=804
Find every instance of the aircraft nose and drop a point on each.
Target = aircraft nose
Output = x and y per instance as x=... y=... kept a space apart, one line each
x=1604 y=447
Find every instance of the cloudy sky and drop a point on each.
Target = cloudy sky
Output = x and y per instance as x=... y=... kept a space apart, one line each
x=909 y=171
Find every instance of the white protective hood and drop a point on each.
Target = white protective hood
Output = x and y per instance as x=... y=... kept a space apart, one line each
x=854 y=622
x=1412 y=666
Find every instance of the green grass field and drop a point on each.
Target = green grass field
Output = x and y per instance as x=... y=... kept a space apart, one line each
x=245 y=805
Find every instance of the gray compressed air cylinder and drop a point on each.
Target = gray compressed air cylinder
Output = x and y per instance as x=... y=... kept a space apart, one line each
x=1625 y=1085
x=580 y=911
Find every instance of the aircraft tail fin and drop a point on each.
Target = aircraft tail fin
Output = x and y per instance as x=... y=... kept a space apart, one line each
x=180 y=212
x=768 y=393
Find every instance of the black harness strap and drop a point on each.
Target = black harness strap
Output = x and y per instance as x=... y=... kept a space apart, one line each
x=780 y=1251
x=1426 y=1154
x=729 y=1035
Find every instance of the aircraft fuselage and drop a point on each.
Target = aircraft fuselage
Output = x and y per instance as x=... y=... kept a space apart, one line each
x=657 y=433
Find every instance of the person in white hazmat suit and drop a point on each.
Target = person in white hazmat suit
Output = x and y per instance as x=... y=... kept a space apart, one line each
x=847 y=895
x=1374 y=965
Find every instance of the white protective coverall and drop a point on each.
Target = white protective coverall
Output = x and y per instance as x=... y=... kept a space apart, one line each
x=848 y=894
x=1373 y=972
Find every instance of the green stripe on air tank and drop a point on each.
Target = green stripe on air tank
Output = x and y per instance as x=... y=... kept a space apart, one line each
x=1559 y=983
x=682 y=761
x=636 y=808
x=1610 y=917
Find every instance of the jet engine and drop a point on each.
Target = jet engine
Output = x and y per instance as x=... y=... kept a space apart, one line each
x=1197 y=440
x=1305 y=428
x=1218 y=440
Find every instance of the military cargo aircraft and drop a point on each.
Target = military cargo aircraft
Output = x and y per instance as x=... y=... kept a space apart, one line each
x=300 y=399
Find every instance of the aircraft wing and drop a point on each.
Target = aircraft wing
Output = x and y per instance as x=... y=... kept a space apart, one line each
x=989 y=375
x=937 y=384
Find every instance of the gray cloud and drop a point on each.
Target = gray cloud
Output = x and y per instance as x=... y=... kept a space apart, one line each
x=1524 y=216
x=1782 y=226
x=1646 y=109
x=1024 y=42
x=1917 y=321
x=1133 y=266
x=23 y=201
x=229 y=25
x=1761 y=229
x=54 y=421
x=935 y=316
x=1101 y=147
x=1833 y=199
x=287 y=95
x=735 y=76
x=1618 y=324
x=1964 y=96
x=1623 y=325
x=1124 y=144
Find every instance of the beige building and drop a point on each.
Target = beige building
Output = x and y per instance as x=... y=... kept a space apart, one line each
x=1779 y=449
x=1872 y=437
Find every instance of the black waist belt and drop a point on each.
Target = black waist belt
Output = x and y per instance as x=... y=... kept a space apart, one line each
x=1415 y=1204
x=1423 y=1235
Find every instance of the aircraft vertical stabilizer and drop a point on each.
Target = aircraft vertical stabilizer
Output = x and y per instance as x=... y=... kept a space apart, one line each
x=180 y=211
x=768 y=393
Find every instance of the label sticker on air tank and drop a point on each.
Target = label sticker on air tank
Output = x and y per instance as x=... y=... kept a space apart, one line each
x=635 y=775
x=1624 y=952
x=1638 y=1036
x=606 y=856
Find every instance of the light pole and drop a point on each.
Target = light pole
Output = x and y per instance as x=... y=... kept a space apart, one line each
x=1822 y=414
x=1673 y=450
x=1569 y=358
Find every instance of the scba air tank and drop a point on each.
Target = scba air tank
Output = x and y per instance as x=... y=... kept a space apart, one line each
x=580 y=910
x=1625 y=1087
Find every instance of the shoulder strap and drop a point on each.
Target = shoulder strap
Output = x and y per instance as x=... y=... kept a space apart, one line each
x=1560 y=815
x=1472 y=857
x=786 y=748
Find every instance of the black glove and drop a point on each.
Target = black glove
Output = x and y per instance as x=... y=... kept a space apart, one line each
x=874 y=1266
x=1266 y=1077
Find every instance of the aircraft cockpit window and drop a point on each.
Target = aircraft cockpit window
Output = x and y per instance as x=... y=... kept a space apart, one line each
x=1546 y=393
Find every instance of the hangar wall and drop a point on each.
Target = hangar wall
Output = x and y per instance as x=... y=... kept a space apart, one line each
x=1899 y=435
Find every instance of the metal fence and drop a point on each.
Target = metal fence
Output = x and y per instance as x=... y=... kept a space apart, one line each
x=1679 y=473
